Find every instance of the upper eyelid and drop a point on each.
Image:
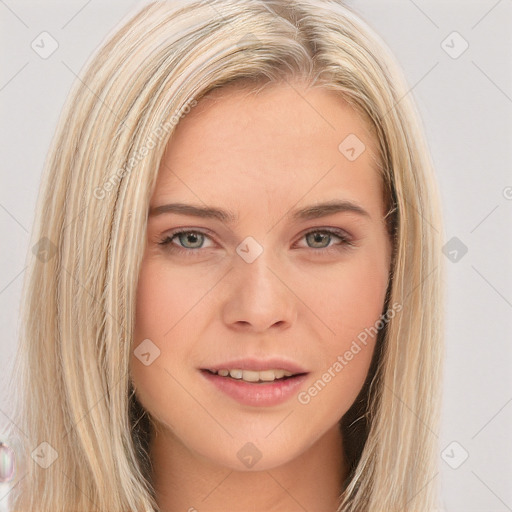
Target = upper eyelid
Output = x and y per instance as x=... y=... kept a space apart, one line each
x=339 y=232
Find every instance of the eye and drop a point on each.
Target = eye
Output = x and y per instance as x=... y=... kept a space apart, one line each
x=318 y=240
x=188 y=239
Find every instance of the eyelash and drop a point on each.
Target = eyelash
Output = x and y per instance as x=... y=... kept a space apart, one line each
x=345 y=241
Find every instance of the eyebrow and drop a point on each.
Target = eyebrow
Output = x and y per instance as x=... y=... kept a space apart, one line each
x=311 y=212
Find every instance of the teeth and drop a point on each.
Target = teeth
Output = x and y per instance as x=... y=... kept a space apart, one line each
x=236 y=374
x=269 y=375
x=253 y=376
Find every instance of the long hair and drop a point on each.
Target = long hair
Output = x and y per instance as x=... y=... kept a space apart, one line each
x=82 y=435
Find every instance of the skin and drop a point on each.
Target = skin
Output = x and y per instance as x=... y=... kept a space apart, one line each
x=259 y=155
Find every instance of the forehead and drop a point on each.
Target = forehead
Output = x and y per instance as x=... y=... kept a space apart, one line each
x=277 y=145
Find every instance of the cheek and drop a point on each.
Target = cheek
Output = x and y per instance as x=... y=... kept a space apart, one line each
x=159 y=306
x=353 y=313
x=349 y=304
x=347 y=298
x=161 y=301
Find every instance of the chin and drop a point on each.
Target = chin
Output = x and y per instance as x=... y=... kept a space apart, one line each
x=251 y=454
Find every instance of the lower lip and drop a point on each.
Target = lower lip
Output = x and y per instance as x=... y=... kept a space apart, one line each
x=262 y=395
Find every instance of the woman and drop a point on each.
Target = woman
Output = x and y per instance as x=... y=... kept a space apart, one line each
x=235 y=298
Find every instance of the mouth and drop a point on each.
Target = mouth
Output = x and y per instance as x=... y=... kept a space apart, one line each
x=256 y=382
x=257 y=387
x=268 y=376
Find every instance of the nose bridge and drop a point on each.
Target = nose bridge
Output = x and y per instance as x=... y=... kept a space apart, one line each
x=259 y=275
x=258 y=295
x=256 y=268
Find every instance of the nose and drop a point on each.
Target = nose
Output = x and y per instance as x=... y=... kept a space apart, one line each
x=259 y=296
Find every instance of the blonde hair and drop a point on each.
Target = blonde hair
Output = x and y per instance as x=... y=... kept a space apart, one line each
x=72 y=382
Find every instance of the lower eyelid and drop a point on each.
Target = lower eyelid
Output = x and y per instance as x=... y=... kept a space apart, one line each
x=168 y=239
x=344 y=239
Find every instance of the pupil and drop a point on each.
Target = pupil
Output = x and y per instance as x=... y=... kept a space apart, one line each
x=319 y=237
x=191 y=238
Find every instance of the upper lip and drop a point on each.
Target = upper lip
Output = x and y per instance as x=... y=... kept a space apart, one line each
x=258 y=365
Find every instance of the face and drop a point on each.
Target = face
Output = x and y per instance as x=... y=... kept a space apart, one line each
x=264 y=287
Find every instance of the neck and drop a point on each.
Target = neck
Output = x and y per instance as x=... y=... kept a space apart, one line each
x=186 y=481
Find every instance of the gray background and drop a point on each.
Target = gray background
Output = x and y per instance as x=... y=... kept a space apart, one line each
x=466 y=106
